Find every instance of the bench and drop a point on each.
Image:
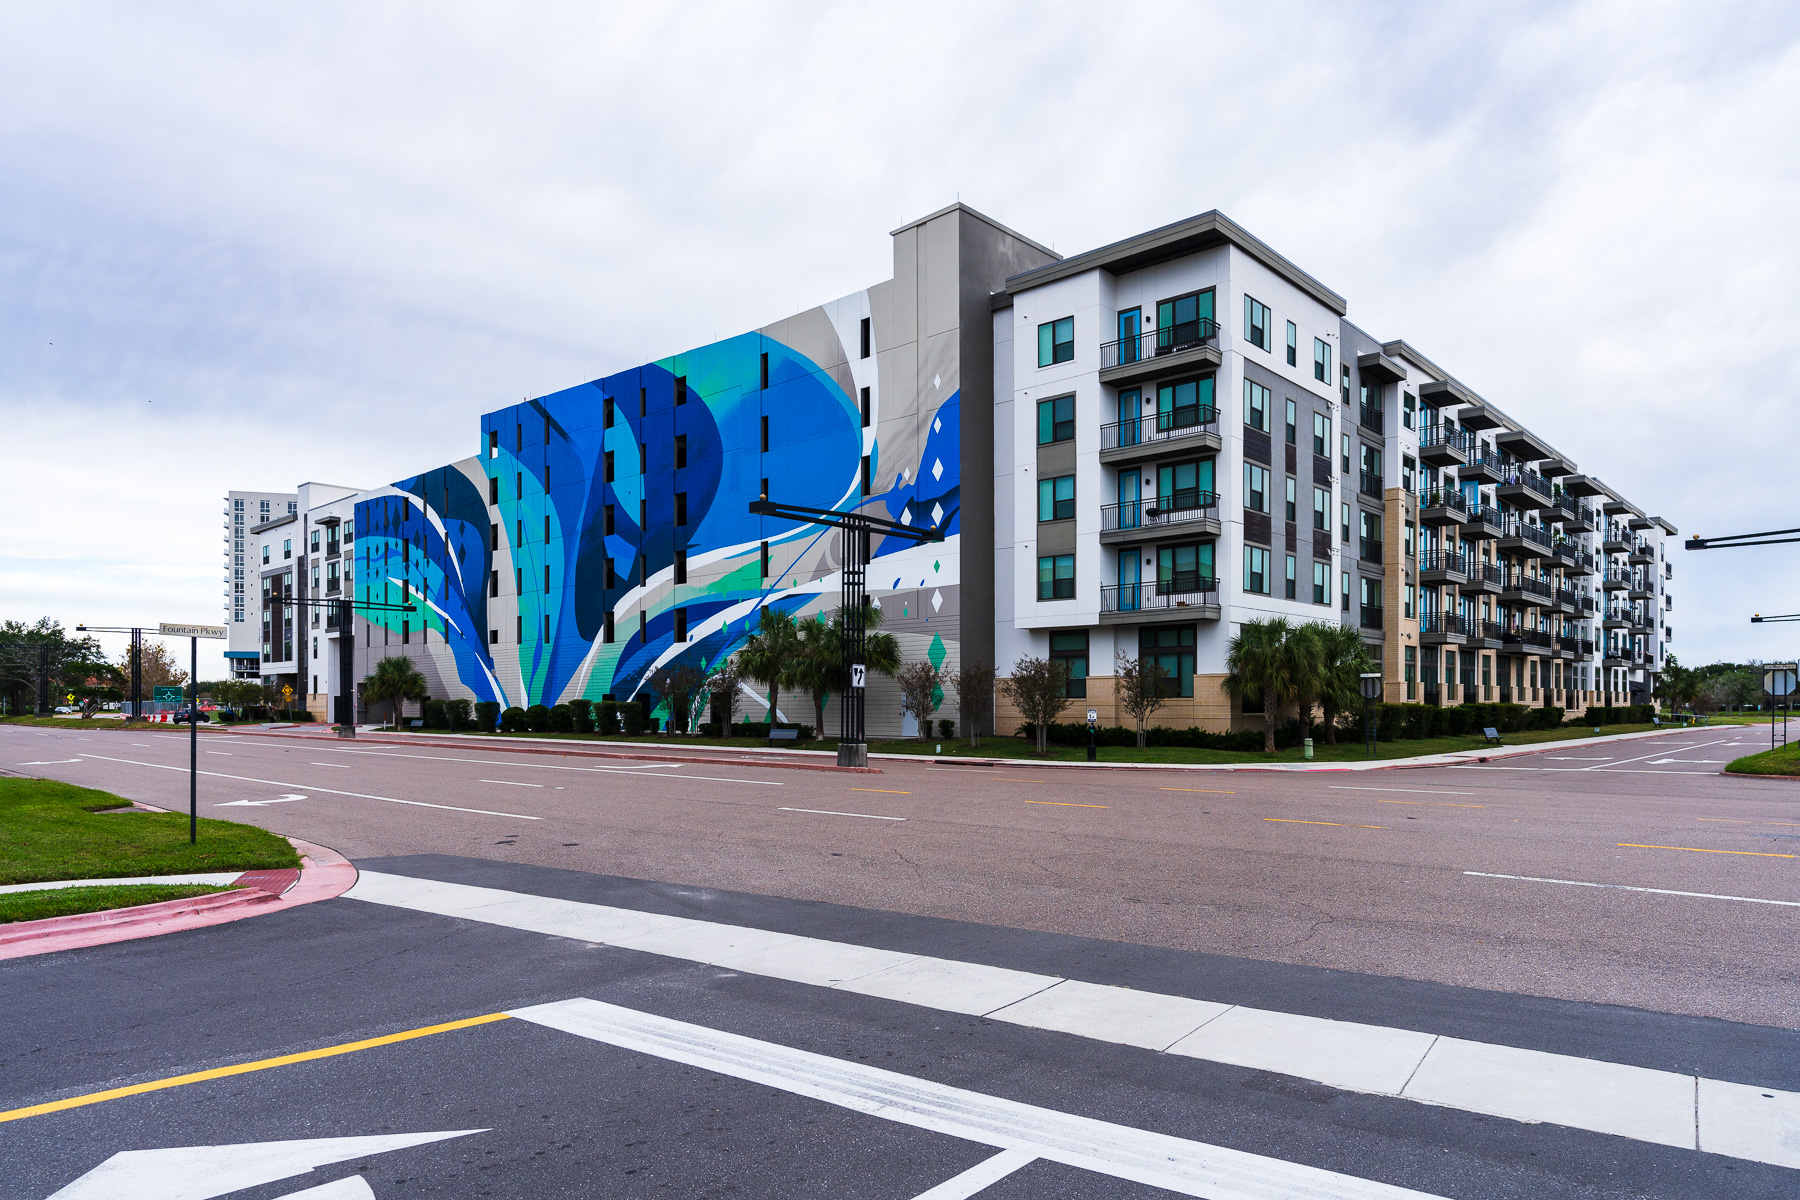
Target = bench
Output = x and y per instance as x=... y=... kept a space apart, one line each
x=1491 y=734
x=783 y=735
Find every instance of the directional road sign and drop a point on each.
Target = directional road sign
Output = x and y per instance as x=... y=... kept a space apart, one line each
x=1780 y=679
x=168 y=695
x=191 y=631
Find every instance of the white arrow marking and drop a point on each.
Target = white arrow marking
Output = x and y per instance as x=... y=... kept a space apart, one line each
x=202 y=1172
x=292 y=796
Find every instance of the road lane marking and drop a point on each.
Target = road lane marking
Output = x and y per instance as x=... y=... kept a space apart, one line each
x=1208 y=791
x=1348 y=787
x=509 y=783
x=826 y=812
x=1628 y=888
x=1010 y=779
x=1344 y=824
x=328 y=791
x=49 y=762
x=1654 y=753
x=1704 y=850
x=333 y=766
x=263 y=1064
x=979 y=1177
x=1065 y=804
x=1724 y=820
x=538 y=766
x=885 y=791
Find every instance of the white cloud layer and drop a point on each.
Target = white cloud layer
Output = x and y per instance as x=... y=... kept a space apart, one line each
x=244 y=246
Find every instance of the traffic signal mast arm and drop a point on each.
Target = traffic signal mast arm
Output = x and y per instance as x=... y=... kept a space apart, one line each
x=1769 y=538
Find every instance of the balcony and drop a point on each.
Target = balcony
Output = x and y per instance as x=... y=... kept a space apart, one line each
x=1481 y=468
x=1185 y=347
x=1481 y=522
x=1615 y=579
x=1641 y=589
x=1488 y=634
x=1524 y=489
x=1187 y=511
x=1616 y=540
x=1642 y=554
x=1371 y=616
x=1439 y=508
x=1185 y=594
x=1567 y=600
x=1373 y=419
x=1441 y=447
x=1178 y=431
x=1369 y=484
x=1525 y=539
x=1484 y=578
x=1369 y=549
x=1565 y=551
x=1442 y=628
x=1575 y=516
x=1520 y=588
x=1444 y=566
x=1616 y=618
x=1526 y=640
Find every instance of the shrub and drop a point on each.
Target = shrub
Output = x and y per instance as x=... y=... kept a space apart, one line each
x=513 y=720
x=458 y=714
x=946 y=729
x=584 y=715
x=562 y=719
x=608 y=721
x=709 y=729
x=631 y=716
x=487 y=713
x=537 y=718
x=434 y=715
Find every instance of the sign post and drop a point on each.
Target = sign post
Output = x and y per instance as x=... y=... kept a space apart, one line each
x=1093 y=749
x=193 y=633
x=1371 y=692
x=1780 y=680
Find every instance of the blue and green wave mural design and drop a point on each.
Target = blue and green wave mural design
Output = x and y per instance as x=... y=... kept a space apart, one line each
x=433 y=537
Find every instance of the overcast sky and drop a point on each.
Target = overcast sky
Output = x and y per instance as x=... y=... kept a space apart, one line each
x=243 y=246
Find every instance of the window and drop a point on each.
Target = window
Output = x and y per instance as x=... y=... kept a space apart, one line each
x=493 y=637
x=643 y=460
x=643 y=401
x=1346 y=449
x=1321 y=361
x=681 y=566
x=765 y=435
x=546 y=527
x=1321 y=583
x=518 y=581
x=681 y=624
x=681 y=389
x=1180 y=486
x=1056 y=577
x=611 y=577
x=494 y=535
x=1256 y=570
x=681 y=444
x=1409 y=601
x=609 y=466
x=1056 y=420
x=765 y=371
x=1412 y=531
x=1344 y=384
x=493 y=443
x=606 y=412
x=765 y=488
x=1256 y=406
x=1256 y=488
x=494 y=583
x=1409 y=410
x=1256 y=323
x=1056 y=341
x=519 y=532
x=265 y=554
x=1071 y=649
x=1292 y=566
x=643 y=626
x=1293 y=344
x=866 y=481
x=287 y=548
x=606 y=628
x=680 y=508
x=866 y=338
x=1293 y=430
x=1173 y=651
x=546 y=581
x=1180 y=405
x=606 y=521
x=519 y=486
x=1321 y=434
x=1407 y=469
x=1183 y=569
x=765 y=560
x=1321 y=509
x=1056 y=498
x=1346 y=588
x=1293 y=498
x=865 y=408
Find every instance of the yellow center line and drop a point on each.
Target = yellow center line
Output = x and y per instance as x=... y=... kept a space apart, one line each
x=888 y=791
x=156 y=1085
x=1208 y=791
x=1704 y=850
x=1065 y=804
x=1295 y=821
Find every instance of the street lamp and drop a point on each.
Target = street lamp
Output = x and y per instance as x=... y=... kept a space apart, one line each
x=1371 y=692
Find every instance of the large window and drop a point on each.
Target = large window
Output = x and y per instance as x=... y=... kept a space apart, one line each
x=1056 y=498
x=1321 y=583
x=1056 y=577
x=1071 y=649
x=1183 y=569
x=1184 y=485
x=1322 y=509
x=1182 y=405
x=1256 y=570
x=1256 y=322
x=1173 y=651
x=1293 y=344
x=1056 y=420
x=1256 y=406
x=1256 y=488
x=1056 y=341
x=1321 y=435
x=1321 y=360
x=1292 y=567
x=1183 y=321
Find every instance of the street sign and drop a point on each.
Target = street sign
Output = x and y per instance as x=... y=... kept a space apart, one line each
x=1780 y=679
x=287 y=693
x=191 y=631
x=168 y=695
x=71 y=697
x=1092 y=716
x=859 y=675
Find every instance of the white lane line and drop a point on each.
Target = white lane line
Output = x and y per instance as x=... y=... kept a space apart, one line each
x=328 y=791
x=826 y=812
x=48 y=762
x=1345 y=787
x=221 y=753
x=1628 y=888
x=537 y=766
x=1640 y=758
x=333 y=766
x=979 y=1177
x=1180 y=1165
x=509 y=783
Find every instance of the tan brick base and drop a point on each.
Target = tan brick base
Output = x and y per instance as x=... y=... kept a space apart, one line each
x=1208 y=708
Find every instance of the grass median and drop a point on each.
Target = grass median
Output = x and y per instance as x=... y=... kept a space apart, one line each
x=72 y=901
x=55 y=831
x=1783 y=760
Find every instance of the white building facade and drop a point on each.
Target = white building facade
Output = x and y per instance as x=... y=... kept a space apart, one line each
x=244 y=513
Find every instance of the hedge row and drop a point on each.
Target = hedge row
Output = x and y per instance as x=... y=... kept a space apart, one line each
x=1618 y=714
x=579 y=716
x=754 y=729
x=1394 y=722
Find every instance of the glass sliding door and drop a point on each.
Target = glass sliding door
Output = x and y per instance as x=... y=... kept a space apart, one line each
x=1129 y=320
x=1131 y=499
x=1131 y=414
x=1184 y=321
x=1184 y=404
x=1130 y=578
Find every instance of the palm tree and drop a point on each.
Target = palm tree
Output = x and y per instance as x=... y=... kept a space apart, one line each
x=1343 y=657
x=771 y=655
x=1306 y=660
x=394 y=679
x=1259 y=663
x=820 y=668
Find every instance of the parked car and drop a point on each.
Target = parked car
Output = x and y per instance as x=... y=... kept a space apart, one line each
x=63 y=708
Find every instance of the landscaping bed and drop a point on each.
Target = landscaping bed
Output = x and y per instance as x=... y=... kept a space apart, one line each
x=1783 y=760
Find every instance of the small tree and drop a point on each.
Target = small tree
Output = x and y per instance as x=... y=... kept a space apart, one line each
x=974 y=686
x=678 y=683
x=1039 y=689
x=920 y=686
x=1342 y=659
x=1141 y=686
x=722 y=693
x=771 y=655
x=1306 y=662
x=1258 y=664
x=394 y=679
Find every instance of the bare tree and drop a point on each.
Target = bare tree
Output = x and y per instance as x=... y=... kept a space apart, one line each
x=1142 y=686
x=722 y=692
x=1039 y=689
x=678 y=684
x=974 y=684
x=920 y=686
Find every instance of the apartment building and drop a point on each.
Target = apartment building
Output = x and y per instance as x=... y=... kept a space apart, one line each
x=303 y=555
x=1189 y=434
x=244 y=512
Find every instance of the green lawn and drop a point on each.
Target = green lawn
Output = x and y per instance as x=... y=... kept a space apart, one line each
x=1783 y=760
x=66 y=902
x=101 y=722
x=1020 y=748
x=56 y=830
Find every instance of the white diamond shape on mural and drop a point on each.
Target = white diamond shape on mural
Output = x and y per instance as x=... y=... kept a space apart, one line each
x=906 y=516
x=937 y=426
x=937 y=599
x=937 y=468
x=937 y=514
x=937 y=381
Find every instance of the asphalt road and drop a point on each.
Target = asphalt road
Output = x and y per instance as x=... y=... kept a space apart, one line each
x=1434 y=875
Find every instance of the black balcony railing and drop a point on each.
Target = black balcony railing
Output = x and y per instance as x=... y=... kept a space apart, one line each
x=1371 y=484
x=1178 y=508
x=1371 y=616
x=1436 y=498
x=1490 y=573
x=1152 y=343
x=1369 y=549
x=1444 y=621
x=1183 y=589
x=1491 y=630
x=1486 y=514
x=1373 y=419
x=1437 y=435
x=1445 y=560
x=1566 y=597
x=1529 y=480
x=1175 y=423
x=1518 y=581
x=1536 y=534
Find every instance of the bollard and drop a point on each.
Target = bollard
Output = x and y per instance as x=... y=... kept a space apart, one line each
x=1309 y=749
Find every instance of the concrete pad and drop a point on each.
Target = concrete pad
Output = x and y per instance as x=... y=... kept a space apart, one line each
x=1342 y=1054
x=1744 y=1121
x=1112 y=1014
x=809 y=960
x=950 y=986
x=1530 y=1085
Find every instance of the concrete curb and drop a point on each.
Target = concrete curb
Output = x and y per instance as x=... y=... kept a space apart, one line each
x=323 y=874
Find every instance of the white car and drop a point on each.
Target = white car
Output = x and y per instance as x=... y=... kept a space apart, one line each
x=63 y=708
